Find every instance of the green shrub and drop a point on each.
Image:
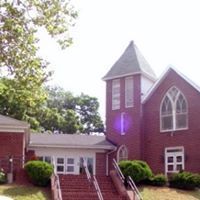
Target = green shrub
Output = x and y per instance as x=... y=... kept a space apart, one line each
x=158 y=180
x=197 y=180
x=136 y=169
x=3 y=178
x=184 y=180
x=39 y=172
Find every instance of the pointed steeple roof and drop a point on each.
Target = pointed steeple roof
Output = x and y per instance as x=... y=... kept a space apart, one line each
x=130 y=62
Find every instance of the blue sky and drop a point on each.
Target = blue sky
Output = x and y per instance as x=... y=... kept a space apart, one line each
x=165 y=31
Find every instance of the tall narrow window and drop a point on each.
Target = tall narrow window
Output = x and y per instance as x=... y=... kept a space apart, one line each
x=174 y=111
x=129 y=92
x=116 y=94
x=122 y=121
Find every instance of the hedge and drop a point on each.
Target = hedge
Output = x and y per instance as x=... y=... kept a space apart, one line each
x=39 y=172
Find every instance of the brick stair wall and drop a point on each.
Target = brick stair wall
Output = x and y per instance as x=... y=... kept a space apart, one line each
x=21 y=178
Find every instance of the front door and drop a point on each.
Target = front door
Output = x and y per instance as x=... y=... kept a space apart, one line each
x=86 y=161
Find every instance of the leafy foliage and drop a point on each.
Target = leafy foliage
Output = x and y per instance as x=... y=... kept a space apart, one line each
x=157 y=180
x=184 y=180
x=39 y=172
x=71 y=114
x=2 y=177
x=138 y=170
x=23 y=73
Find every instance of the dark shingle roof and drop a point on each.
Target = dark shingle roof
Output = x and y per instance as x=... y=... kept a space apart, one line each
x=130 y=62
x=70 y=141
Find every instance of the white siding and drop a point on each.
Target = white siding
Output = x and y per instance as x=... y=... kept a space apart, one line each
x=146 y=84
x=62 y=152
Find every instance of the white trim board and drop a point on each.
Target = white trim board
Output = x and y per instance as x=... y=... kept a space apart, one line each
x=162 y=77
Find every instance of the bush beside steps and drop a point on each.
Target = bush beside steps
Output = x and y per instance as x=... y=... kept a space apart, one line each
x=141 y=173
x=39 y=172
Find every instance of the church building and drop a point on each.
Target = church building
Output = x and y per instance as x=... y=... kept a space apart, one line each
x=150 y=119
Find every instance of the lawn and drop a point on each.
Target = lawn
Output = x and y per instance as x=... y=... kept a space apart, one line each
x=165 y=193
x=25 y=192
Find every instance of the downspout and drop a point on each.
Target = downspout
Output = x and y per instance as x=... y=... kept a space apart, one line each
x=107 y=161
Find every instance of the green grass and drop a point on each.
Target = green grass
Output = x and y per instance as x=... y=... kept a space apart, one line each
x=165 y=193
x=25 y=192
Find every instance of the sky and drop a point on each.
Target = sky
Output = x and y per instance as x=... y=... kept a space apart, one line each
x=167 y=32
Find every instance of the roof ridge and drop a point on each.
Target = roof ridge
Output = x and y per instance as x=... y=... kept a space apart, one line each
x=162 y=76
x=130 y=62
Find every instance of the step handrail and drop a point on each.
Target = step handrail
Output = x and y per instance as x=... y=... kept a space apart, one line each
x=118 y=170
x=93 y=180
x=129 y=180
x=97 y=188
x=134 y=188
x=57 y=194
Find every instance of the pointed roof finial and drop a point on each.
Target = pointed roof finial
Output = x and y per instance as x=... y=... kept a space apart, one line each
x=129 y=63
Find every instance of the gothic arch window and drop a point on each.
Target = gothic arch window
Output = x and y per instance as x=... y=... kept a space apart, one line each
x=122 y=153
x=173 y=111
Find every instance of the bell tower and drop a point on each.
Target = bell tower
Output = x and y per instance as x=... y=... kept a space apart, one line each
x=126 y=83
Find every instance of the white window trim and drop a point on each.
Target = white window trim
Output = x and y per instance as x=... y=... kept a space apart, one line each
x=44 y=156
x=116 y=84
x=58 y=164
x=182 y=153
x=118 y=152
x=173 y=113
x=132 y=93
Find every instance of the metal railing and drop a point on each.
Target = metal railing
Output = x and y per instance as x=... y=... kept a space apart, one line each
x=137 y=195
x=55 y=184
x=97 y=188
x=129 y=181
x=118 y=170
x=92 y=180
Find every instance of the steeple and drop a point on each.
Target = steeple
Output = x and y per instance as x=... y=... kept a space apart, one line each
x=131 y=62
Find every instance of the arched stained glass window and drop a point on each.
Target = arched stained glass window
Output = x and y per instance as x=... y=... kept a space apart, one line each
x=173 y=110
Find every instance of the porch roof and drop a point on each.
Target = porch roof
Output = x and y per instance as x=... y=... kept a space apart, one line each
x=8 y=124
x=70 y=141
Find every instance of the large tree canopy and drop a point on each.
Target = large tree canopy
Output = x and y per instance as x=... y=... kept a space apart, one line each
x=19 y=23
x=22 y=71
x=72 y=113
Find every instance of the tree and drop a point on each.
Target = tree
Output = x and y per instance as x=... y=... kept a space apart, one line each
x=19 y=101
x=79 y=113
x=24 y=70
x=87 y=107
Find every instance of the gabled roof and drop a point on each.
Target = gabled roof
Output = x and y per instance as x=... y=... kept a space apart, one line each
x=10 y=122
x=70 y=141
x=162 y=77
x=131 y=62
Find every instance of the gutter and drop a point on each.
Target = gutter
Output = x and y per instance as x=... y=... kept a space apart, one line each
x=107 y=161
x=69 y=146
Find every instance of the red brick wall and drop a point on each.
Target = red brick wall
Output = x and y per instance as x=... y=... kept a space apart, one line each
x=100 y=163
x=156 y=141
x=132 y=115
x=11 y=144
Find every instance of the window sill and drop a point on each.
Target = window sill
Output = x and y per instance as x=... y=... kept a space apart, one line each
x=173 y=130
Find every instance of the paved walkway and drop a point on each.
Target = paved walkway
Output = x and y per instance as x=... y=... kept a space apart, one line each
x=5 y=198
